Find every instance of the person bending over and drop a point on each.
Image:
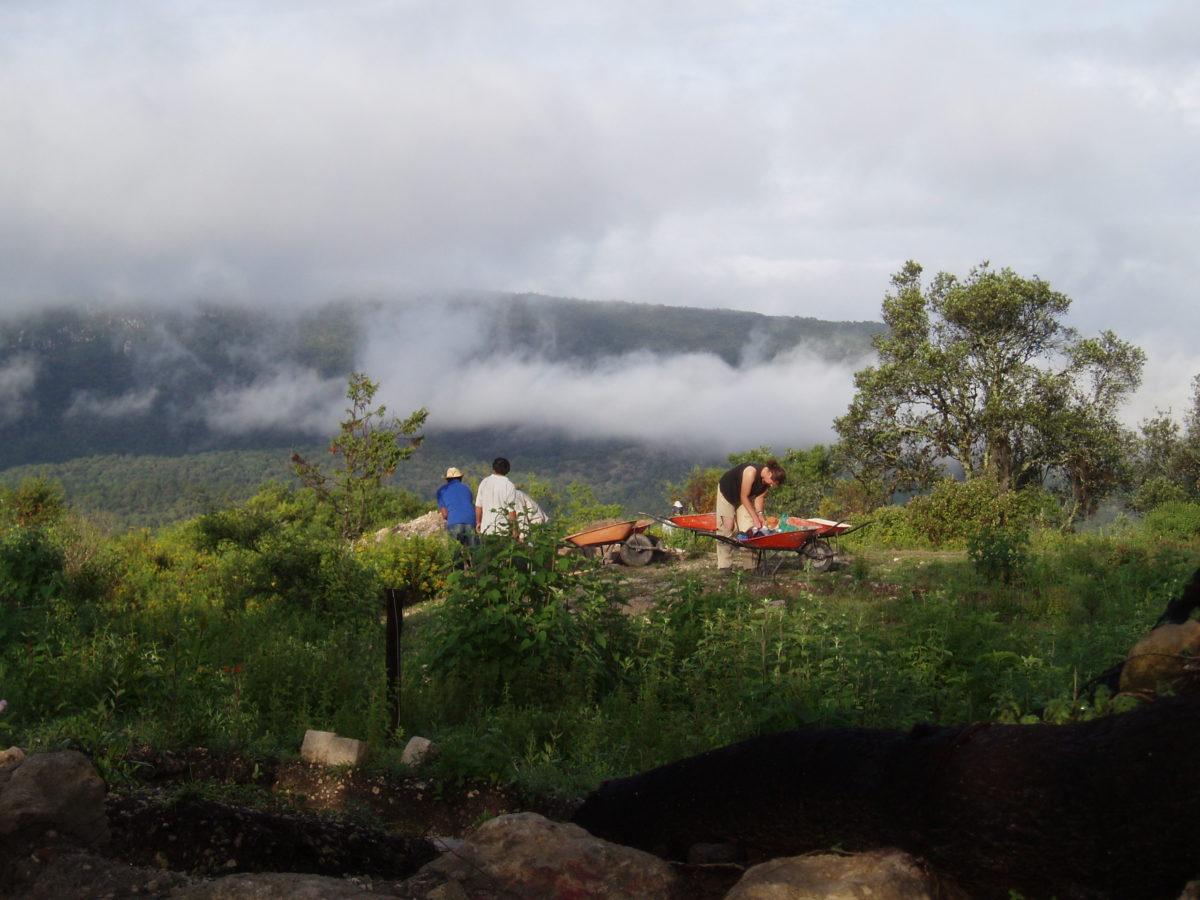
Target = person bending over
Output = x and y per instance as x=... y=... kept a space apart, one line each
x=740 y=496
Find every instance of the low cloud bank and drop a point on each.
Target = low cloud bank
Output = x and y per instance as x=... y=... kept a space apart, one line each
x=449 y=361
x=686 y=400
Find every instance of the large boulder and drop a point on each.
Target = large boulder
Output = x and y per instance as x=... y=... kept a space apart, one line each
x=528 y=856
x=58 y=792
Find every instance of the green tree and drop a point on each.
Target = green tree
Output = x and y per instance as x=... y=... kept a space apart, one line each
x=697 y=491
x=982 y=372
x=1167 y=458
x=370 y=447
x=811 y=475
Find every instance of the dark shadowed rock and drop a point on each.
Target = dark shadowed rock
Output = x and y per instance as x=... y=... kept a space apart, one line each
x=53 y=792
x=1108 y=808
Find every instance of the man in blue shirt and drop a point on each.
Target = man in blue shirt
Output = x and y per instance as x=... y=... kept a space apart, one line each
x=457 y=507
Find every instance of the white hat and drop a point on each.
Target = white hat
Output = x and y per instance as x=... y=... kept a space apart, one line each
x=452 y=472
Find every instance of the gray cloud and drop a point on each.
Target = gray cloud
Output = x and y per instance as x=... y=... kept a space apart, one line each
x=17 y=379
x=783 y=157
x=292 y=398
x=89 y=403
x=429 y=358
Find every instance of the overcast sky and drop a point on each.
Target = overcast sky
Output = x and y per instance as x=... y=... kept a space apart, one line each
x=781 y=156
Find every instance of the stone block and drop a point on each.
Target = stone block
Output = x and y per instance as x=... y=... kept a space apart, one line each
x=417 y=751
x=328 y=749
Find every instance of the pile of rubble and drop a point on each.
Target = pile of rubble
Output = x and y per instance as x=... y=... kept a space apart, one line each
x=423 y=526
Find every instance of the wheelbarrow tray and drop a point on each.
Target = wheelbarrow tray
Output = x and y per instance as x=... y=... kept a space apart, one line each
x=697 y=522
x=616 y=533
x=826 y=527
x=705 y=522
x=784 y=540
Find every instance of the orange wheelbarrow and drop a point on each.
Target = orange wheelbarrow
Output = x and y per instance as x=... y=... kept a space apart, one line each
x=635 y=547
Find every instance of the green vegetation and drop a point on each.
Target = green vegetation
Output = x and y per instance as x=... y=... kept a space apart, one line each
x=241 y=628
x=153 y=491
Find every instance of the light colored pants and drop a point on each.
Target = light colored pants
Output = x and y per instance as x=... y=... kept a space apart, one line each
x=729 y=522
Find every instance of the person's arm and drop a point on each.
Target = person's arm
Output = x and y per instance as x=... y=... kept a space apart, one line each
x=445 y=512
x=755 y=506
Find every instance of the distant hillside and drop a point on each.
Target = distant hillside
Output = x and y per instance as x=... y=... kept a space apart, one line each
x=120 y=404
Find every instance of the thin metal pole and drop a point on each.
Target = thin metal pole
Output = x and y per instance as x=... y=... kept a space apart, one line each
x=394 y=602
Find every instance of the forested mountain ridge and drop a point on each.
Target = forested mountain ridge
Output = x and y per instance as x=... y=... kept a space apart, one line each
x=115 y=386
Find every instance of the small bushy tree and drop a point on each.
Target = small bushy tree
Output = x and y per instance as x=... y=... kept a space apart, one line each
x=956 y=510
x=370 y=447
x=35 y=502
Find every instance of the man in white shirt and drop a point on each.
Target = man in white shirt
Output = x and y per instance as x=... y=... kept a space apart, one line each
x=496 y=500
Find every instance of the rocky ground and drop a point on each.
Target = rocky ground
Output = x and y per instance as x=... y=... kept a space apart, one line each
x=373 y=829
x=369 y=832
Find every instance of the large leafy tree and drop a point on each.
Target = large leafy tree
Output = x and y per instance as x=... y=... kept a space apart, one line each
x=982 y=372
x=370 y=446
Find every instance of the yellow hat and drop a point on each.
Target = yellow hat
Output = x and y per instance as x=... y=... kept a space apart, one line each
x=452 y=472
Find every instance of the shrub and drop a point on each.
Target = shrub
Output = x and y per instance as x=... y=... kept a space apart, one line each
x=416 y=563
x=946 y=518
x=1177 y=519
x=999 y=553
x=31 y=566
x=35 y=502
x=1154 y=492
x=890 y=527
x=521 y=619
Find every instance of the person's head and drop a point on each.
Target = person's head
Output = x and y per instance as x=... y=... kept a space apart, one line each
x=772 y=473
x=500 y=466
x=452 y=474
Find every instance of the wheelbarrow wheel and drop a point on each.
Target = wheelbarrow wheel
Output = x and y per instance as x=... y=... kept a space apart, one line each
x=820 y=555
x=637 y=550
